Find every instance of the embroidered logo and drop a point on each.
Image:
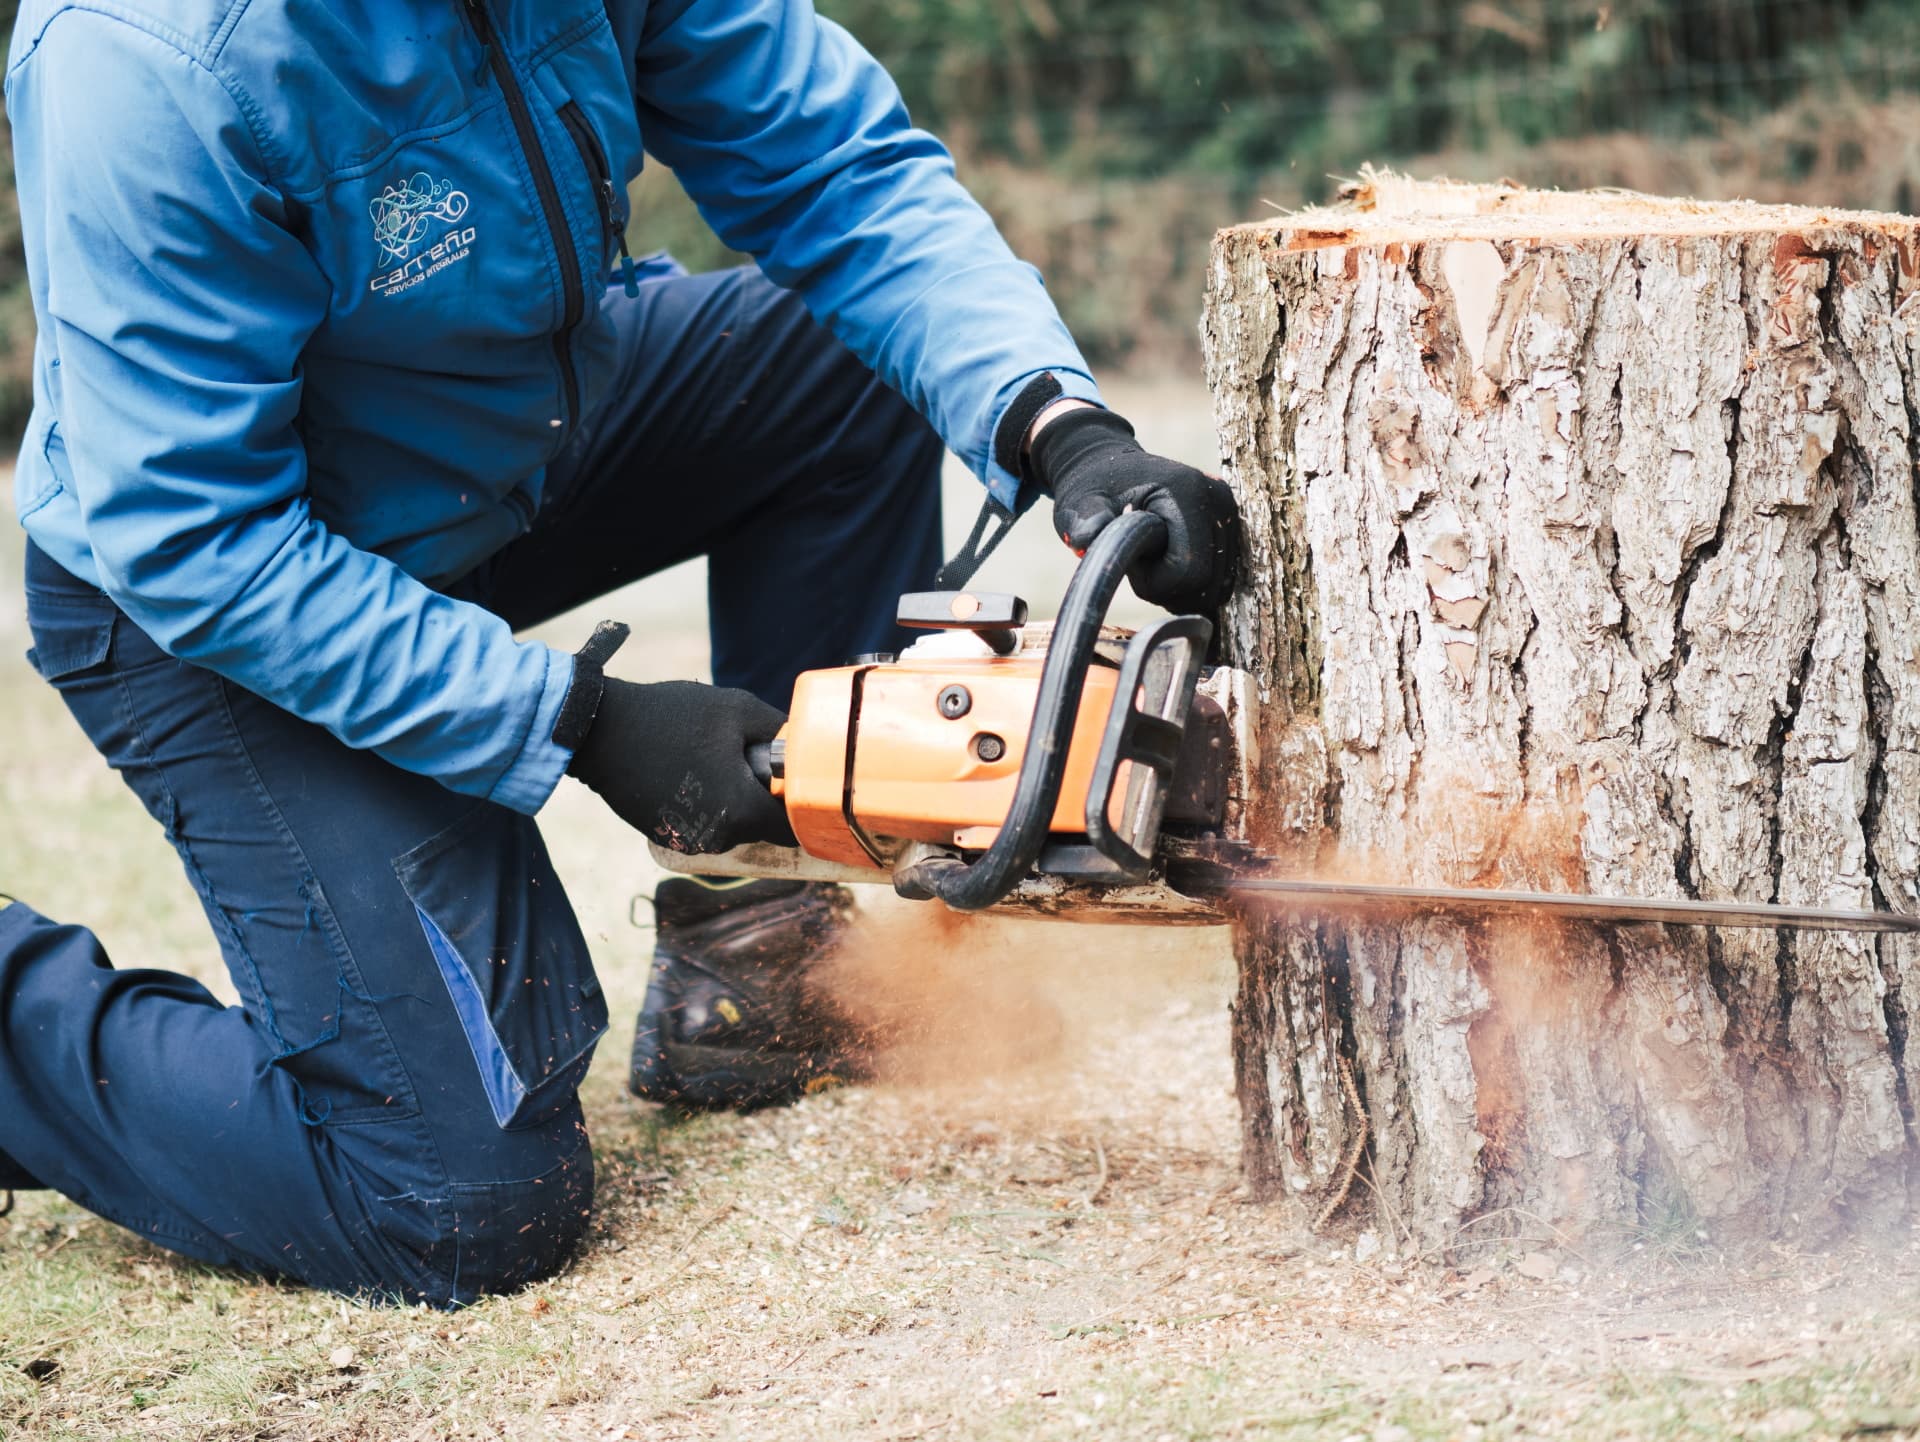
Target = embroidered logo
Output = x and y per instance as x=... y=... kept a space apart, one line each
x=401 y=212
x=402 y=215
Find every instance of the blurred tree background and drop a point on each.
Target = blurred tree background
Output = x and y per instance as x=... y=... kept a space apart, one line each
x=1111 y=137
x=16 y=310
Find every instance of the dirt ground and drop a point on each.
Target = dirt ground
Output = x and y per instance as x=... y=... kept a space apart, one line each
x=1033 y=1228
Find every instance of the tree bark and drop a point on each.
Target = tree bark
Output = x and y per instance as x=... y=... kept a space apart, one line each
x=1582 y=555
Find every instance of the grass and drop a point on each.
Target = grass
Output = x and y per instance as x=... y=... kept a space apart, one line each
x=914 y=1260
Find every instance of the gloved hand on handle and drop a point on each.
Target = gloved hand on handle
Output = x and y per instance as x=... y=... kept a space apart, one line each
x=670 y=758
x=1094 y=468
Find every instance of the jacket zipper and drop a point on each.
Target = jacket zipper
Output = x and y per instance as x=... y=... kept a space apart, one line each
x=595 y=160
x=573 y=303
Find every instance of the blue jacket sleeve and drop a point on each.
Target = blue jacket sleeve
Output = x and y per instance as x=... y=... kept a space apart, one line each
x=795 y=144
x=177 y=300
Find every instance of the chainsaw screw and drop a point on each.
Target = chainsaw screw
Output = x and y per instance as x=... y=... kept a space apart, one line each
x=989 y=747
x=954 y=702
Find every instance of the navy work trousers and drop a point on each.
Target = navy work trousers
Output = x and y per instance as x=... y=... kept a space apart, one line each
x=391 y=1109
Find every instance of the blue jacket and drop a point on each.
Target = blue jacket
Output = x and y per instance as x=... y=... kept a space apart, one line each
x=318 y=281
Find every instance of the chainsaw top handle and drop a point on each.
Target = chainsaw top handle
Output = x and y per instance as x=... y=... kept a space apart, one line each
x=975 y=885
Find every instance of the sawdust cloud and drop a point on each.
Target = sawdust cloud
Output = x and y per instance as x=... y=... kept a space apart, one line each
x=955 y=999
x=1456 y=836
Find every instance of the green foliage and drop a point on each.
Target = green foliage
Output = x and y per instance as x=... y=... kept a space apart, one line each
x=1148 y=86
x=16 y=307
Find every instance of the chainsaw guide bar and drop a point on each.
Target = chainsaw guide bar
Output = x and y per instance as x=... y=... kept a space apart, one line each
x=1362 y=897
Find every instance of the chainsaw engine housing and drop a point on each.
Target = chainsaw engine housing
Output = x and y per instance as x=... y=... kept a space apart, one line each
x=993 y=757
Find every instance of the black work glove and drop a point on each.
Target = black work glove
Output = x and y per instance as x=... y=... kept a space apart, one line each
x=670 y=758
x=1095 y=469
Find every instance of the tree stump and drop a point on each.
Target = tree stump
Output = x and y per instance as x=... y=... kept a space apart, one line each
x=1582 y=555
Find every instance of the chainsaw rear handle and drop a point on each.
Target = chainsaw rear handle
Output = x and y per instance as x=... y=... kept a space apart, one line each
x=975 y=885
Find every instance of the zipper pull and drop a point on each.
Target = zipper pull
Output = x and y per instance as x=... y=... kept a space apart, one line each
x=629 y=281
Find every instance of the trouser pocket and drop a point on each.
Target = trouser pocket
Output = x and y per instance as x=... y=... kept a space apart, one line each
x=502 y=1235
x=506 y=942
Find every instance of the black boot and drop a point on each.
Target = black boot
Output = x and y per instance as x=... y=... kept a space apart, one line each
x=732 y=1018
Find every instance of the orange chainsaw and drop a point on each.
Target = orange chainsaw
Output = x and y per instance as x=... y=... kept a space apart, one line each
x=1076 y=771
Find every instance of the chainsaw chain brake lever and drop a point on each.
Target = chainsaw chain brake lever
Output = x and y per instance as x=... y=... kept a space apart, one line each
x=975 y=885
